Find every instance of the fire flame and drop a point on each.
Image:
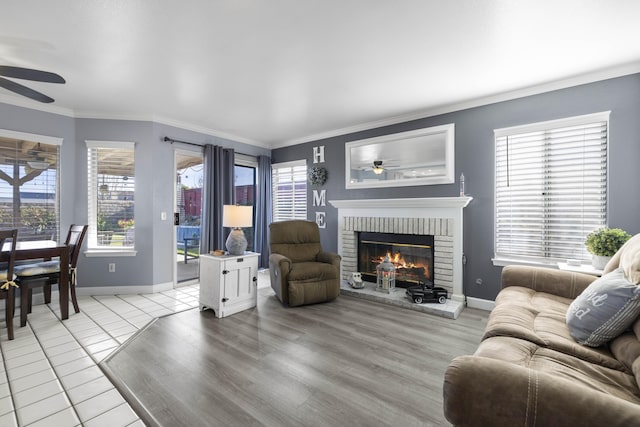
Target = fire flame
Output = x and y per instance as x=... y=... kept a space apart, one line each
x=402 y=266
x=398 y=261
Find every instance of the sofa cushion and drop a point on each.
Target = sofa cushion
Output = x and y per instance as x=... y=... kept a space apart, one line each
x=38 y=268
x=482 y=391
x=621 y=384
x=539 y=318
x=627 y=258
x=630 y=260
x=626 y=348
x=604 y=310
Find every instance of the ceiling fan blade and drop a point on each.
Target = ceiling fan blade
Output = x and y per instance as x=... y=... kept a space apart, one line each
x=24 y=91
x=30 y=74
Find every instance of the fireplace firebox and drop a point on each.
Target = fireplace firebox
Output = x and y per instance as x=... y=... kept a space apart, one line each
x=411 y=254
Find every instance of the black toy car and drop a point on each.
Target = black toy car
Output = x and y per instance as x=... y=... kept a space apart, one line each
x=426 y=292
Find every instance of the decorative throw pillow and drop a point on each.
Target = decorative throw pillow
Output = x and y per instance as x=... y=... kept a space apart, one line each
x=604 y=310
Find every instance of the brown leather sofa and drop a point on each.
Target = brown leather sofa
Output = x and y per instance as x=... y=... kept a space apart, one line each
x=529 y=371
x=301 y=272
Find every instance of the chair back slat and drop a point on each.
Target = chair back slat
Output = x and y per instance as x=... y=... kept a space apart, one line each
x=75 y=237
x=10 y=237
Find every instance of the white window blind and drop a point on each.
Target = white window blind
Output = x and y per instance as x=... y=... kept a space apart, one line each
x=289 y=184
x=111 y=175
x=29 y=182
x=551 y=188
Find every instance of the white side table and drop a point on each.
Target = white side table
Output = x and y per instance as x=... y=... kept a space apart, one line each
x=228 y=283
x=582 y=268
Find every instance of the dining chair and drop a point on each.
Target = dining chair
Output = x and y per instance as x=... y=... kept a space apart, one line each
x=7 y=276
x=46 y=273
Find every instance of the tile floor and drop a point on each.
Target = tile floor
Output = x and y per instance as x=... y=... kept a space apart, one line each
x=49 y=374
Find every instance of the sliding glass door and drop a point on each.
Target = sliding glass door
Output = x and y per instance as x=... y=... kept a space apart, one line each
x=188 y=215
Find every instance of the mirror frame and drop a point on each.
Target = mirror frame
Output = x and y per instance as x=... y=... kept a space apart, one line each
x=447 y=133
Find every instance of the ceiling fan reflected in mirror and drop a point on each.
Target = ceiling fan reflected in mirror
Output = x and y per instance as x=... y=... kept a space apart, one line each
x=27 y=74
x=377 y=167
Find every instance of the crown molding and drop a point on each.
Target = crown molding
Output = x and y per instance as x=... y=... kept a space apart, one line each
x=577 y=80
x=49 y=108
x=174 y=123
x=21 y=101
x=585 y=78
x=211 y=132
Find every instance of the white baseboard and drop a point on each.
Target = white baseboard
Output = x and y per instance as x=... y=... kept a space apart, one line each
x=38 y=298
x=457 y=297
x=123 y=290
x=481 y=304
x=187 y=283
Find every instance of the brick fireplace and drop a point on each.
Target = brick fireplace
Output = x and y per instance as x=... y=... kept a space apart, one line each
x=440 y=217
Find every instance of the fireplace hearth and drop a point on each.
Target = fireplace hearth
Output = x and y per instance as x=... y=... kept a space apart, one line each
x=411 y=255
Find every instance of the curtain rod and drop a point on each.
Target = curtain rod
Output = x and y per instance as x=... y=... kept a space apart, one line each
x=171 y=140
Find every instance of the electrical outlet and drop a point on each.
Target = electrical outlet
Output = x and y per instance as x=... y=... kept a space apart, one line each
x=112 y=267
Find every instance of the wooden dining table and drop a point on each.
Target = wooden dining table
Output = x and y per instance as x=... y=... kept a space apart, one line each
x=42 y=250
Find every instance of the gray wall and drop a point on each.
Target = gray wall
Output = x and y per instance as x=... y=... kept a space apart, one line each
x=155 y=179
x=475 y=157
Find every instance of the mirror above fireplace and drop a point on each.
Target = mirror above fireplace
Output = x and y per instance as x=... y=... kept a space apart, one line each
x=418 y=157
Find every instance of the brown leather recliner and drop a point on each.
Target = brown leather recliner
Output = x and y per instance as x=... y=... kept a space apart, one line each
x=301 y=272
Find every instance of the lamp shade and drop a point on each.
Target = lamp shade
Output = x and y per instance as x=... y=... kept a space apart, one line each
x=237 y=216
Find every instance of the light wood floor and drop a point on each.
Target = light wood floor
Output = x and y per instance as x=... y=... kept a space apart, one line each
x=348 y=362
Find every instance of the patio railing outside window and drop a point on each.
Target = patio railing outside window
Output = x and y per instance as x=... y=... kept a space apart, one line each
x=111 y=170
x=29 y=183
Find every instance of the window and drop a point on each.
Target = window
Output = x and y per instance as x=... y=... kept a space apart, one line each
x=551 y=188
x=111 y=195
x=289 y=181
x=29 y=183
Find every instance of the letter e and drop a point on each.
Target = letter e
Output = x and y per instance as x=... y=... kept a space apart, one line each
x=321 y=219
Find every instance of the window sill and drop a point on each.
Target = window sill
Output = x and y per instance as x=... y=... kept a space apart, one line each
x=503 y=262
x=110 y=252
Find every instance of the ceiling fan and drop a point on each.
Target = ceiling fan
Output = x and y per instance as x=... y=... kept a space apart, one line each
x=38 y=161
x=377 y=167
x=27 y=74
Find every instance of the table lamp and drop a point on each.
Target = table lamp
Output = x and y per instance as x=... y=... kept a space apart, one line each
x=235 y=216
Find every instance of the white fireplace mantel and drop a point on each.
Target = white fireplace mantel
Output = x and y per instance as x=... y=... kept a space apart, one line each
x=425 y=202
x=427 y=207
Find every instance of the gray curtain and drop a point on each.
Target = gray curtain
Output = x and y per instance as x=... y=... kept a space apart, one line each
x=263 y=210
x=218 y=191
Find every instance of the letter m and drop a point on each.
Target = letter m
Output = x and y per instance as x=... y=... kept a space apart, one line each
x=319 y=197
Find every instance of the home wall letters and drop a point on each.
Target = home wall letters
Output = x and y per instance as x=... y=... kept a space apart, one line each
x=319 y=196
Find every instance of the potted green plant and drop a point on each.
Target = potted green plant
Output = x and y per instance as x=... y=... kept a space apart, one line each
x=604 y=243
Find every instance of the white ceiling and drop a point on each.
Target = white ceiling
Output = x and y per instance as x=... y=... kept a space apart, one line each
x=279 y=72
